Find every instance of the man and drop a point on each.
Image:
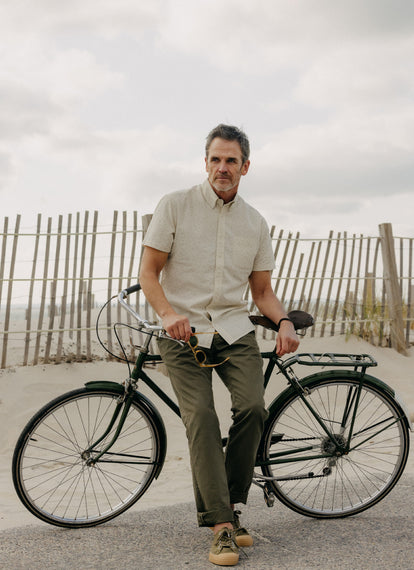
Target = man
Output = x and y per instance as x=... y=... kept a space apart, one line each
x=209 y=245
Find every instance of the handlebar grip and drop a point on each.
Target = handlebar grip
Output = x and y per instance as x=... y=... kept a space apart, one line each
x=132 y=289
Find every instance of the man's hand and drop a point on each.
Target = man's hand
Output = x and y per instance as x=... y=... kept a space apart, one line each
x=287 y=340
x=177 y=326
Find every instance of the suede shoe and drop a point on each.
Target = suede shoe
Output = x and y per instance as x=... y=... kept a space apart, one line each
x=224 y=550
x=241 y=535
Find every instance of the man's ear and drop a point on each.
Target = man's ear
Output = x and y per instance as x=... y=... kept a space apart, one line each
x=245 y=167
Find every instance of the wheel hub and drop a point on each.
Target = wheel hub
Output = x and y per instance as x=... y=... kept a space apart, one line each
x=328 y=446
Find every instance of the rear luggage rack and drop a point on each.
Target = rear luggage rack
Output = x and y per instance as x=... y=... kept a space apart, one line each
x=332 y=359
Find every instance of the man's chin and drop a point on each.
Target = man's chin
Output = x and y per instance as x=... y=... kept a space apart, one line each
x=222 y=187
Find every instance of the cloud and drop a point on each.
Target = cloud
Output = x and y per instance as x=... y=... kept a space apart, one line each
x=361 y=78
x=107 y=18
x=266 y=35
x=356 y=157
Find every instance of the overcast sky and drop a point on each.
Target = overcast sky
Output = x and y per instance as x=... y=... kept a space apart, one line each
x=105 y=104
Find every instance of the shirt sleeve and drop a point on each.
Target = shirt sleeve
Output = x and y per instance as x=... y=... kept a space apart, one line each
x=264 y=260
x=161 y=230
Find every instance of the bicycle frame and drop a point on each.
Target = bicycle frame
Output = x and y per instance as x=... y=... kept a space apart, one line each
x=284 y=367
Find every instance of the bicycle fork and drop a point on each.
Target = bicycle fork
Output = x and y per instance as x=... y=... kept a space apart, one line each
x=124 y=402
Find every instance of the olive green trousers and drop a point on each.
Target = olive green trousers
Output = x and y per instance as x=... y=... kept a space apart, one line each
x=220 y=477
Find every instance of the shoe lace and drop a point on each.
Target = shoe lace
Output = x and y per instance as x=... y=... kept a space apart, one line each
x=227 y=538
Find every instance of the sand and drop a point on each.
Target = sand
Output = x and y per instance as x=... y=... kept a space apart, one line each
x=23 y=390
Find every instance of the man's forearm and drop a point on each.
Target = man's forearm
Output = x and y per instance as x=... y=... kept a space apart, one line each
x=154 y=293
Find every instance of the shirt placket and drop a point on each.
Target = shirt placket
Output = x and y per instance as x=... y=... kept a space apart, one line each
x=220 y=246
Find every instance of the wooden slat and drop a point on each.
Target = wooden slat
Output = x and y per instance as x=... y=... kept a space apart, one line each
x=292 y=300
x=90 y=303
x=313 y=281
x=2 y=268
x=322 y=278
x=366 y=292
x=131 y=272
x=357 y=283
x=339 y=287
x=44 y=292
x=330 y=286
x=64 y=300
x=121 y=283
x=392 y=288
x=81 y=286
x=290 y=268
x=31 y=289
x=375 y=276
x=282 y=265
x=145 y=224
x=347 y=303
x=304 y=303
x=74 y=276
x=53 y=290
x=9 y=292
x=110 y=279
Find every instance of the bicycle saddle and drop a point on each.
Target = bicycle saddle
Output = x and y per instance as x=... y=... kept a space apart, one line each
x=301 y=320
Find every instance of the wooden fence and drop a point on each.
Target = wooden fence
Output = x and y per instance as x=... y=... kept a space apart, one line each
x=56 y=276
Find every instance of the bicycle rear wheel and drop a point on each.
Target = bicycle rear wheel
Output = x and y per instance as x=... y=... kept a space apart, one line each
x=336 y=485
x=51 y=473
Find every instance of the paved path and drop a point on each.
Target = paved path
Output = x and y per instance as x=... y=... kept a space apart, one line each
x=167 y=538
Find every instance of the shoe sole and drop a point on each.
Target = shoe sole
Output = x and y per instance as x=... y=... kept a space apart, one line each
x=244 y=540
x=229 y=559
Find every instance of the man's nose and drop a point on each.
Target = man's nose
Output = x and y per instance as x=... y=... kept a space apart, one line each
x=223 y=166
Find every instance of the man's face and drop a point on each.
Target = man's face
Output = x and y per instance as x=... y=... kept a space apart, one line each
x=225 y=167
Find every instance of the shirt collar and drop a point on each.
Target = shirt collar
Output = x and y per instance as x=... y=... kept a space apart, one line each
x=211 y=197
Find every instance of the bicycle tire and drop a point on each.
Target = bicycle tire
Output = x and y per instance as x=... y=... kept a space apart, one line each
x=51 y=476
x=344 y=485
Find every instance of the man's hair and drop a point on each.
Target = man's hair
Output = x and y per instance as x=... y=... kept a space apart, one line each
x=230 y=133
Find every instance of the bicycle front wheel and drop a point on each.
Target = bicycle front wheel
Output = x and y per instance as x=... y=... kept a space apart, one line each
x=310 y=475
x=52 y=473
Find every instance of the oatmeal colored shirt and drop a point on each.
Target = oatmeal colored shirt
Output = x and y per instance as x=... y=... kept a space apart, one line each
x=213 y=248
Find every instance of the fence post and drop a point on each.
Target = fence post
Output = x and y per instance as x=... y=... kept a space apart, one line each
x=392 y=288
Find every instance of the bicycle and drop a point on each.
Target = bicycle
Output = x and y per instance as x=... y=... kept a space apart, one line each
x=335 y=442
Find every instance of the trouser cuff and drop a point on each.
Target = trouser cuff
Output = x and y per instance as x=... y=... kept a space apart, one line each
x=211 y=518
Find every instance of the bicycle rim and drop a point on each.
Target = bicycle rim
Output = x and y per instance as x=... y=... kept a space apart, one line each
x=50 y=470
x=336 y=486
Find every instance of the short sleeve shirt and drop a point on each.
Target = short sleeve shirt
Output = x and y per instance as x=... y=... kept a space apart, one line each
x=213 y=248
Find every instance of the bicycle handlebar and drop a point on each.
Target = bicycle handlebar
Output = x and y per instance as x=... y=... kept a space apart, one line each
x=133 y=289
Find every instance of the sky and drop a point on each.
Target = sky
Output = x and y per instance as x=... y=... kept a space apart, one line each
x=105 y=105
